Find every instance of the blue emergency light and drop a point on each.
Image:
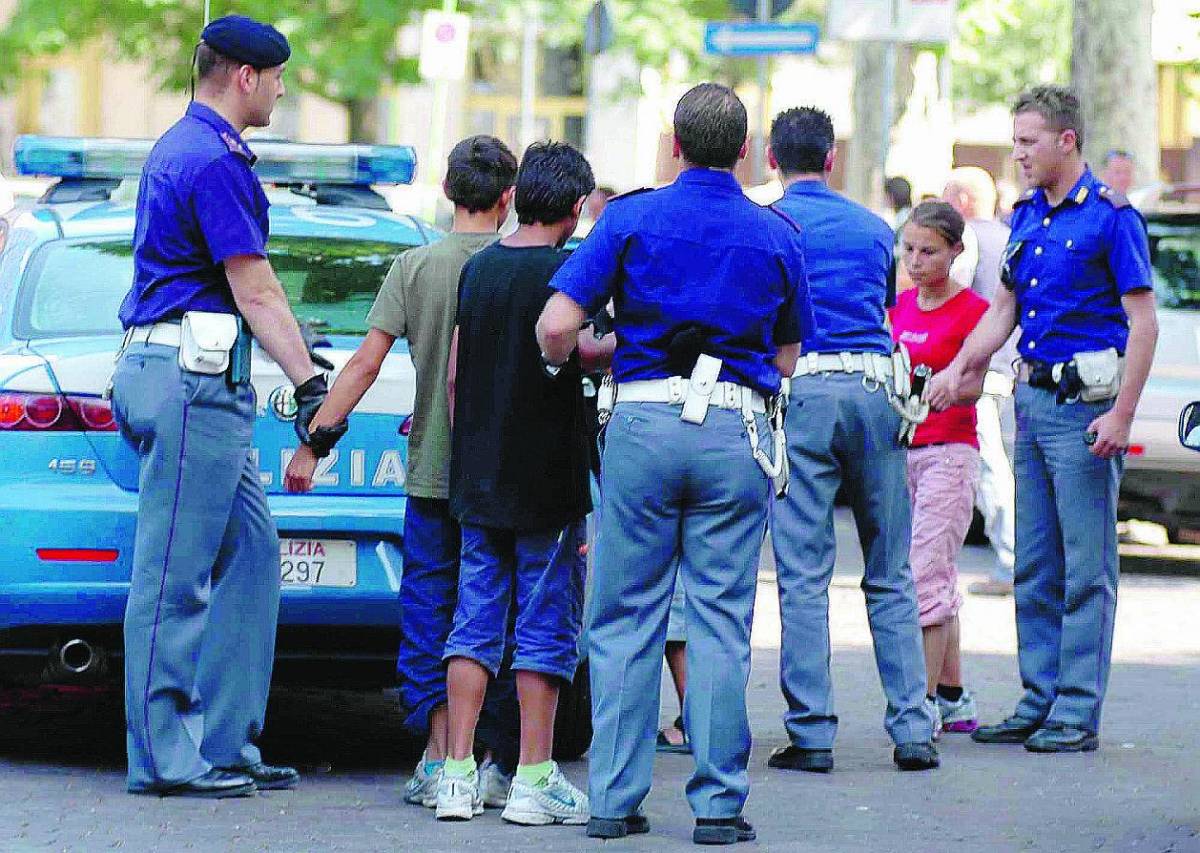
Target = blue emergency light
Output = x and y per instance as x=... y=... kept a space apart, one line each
x=278 y=162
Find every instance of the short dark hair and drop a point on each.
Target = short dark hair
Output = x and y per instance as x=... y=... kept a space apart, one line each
x=899 y=192
x=552 y=178
x=939 y=216
x=801 y=139
x=710 y=124
x=1058 y=105
x=478 y=171
x=210 y=62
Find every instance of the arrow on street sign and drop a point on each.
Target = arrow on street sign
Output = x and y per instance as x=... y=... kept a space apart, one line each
x=759 y=39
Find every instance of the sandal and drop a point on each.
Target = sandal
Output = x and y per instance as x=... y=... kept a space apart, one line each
x=663 y=744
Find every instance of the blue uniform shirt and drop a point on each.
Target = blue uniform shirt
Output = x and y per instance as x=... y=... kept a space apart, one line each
x=696 y=253
x=198 y=203
x=848 y=254
x=1070 y=265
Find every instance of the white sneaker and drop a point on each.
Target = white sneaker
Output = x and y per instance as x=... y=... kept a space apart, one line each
x=935 y=714
x=554 y=801
x=960 y=716
x=493 y=785
x=458 y=797
x=421 y=789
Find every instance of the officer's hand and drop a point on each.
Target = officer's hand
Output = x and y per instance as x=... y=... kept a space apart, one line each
x=300 y=471
x=943 y=389
x=309 y=396
x=1112 y=434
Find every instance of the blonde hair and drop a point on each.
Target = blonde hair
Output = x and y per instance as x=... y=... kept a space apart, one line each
x=979 y=185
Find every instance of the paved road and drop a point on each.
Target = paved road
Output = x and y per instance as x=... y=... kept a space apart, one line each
x=61 y=754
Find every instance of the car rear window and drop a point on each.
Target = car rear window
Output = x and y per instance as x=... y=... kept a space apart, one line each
x=75 y=287
x=1175 y=254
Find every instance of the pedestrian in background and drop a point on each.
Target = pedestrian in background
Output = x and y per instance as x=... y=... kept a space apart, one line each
x=842 y=434
x=933 y=320
x=1077 y=279
x=204 y=592
x=519 y=486
x=1117 y=170
x=972 y=192
x=417 y=302
x=710 y=295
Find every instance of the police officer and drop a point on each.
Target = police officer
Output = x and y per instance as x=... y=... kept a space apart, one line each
x=204 y=594
x=706 y=285
x=843 y=437
x=1078 y=282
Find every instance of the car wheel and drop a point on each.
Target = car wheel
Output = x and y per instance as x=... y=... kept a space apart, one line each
x=573 y=722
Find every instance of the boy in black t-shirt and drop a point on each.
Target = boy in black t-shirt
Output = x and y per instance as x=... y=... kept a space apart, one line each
x=519 y=488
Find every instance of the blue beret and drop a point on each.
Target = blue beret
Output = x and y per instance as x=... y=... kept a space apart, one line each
x=247 y=41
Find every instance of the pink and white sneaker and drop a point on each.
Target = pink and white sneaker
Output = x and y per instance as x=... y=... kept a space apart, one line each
x=961 y=716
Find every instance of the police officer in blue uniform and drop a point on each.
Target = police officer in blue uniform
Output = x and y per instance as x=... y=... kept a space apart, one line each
x=1078 y=282
x=711 y=304
x=845 y=436
x=204 y=594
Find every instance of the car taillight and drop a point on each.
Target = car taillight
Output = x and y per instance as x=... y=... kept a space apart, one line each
x=1137 y=449
x=23 y=412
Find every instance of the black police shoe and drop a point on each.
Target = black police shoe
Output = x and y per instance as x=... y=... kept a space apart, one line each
x=1056 y=737
x=916 y=756
x=723 y=830
x=617 y=827
x=1013 y=730
x=216 y=784
x=792 y=757
x=269 y=778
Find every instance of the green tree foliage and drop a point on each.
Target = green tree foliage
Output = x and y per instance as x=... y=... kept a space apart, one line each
x=1003 y=46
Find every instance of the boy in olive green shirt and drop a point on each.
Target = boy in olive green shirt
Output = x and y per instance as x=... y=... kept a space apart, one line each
x=418 y=301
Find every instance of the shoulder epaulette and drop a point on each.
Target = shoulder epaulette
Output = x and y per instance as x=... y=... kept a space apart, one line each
x=236 y=146
x=1026 y=196
x=630 y=194
x=1116 y=199
x=784 y=216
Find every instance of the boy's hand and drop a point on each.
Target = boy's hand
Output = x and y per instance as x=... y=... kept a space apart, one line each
x=300 y=471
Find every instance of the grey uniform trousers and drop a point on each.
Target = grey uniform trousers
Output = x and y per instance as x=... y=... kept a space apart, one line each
x=204 y=594
x=844 y=435
x=671 y=488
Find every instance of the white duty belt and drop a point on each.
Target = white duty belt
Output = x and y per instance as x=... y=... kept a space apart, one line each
x=166 y=334
x=873 y=367
x=673 y=391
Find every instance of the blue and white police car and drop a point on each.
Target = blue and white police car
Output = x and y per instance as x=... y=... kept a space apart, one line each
x=68 y=482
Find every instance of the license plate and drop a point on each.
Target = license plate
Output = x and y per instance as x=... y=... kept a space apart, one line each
x=318 y=562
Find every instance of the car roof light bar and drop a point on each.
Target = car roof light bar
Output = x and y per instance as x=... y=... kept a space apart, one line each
x=288 y=163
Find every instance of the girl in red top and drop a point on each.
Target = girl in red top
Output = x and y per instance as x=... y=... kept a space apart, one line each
x=933 y=320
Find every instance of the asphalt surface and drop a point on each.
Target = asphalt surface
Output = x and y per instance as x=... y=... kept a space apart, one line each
x=62 y=754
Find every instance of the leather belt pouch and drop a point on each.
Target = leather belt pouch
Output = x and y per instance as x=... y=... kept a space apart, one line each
x=205 y=340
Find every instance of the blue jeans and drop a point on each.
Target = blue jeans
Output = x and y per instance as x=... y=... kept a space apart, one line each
x=543 y=574
x=1067 y=566
x=840 y=434
x=694 y=491
x=204 y=593
x=428 y=595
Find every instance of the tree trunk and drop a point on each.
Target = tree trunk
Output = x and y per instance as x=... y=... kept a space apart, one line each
x=864 y=160
x=365 y=120
x=1114 y=73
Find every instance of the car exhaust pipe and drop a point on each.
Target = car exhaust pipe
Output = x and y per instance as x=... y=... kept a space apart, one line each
x=76 y=659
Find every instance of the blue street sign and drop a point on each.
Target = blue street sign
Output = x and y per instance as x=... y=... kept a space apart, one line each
x=759 y=39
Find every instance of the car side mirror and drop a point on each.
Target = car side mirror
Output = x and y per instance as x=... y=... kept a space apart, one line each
x=1189 y=426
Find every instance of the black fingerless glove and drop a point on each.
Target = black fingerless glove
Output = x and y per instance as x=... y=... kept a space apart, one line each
x=309 y=396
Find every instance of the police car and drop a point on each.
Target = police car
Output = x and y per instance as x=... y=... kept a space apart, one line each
x=68 y=485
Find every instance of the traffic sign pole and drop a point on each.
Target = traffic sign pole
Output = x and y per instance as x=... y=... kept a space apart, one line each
x=759 y=170
x=437 y=133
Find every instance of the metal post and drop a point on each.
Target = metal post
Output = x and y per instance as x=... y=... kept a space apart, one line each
x=437 y=131
x=758 y=139
x=207 y=11
x=529 y=46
